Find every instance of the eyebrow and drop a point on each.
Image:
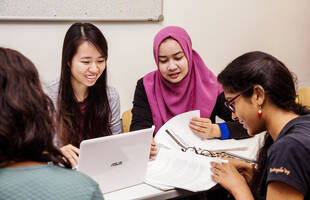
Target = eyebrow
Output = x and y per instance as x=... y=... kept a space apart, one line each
x=88 y=57
x=175 y=54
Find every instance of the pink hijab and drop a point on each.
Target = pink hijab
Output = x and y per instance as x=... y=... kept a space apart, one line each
x=197 y=91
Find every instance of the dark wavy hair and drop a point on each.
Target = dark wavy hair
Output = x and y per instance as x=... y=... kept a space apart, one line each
x=97 y=118
x=26 y=123
x=258 y=68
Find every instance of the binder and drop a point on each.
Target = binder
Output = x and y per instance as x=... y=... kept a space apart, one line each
x=209 y=153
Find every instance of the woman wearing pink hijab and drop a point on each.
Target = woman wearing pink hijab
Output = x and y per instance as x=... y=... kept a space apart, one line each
x=182 y=83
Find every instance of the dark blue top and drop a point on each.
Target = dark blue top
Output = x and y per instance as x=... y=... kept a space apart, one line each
x=288 y=158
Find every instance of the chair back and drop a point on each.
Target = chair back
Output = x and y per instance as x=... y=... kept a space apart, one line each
x=304 y=96
x=126 y=120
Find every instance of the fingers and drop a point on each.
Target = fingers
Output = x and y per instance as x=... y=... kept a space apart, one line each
x=201 y=126
x=75 y=149
x=70 y=153
x=153 y=151
x=217 y=172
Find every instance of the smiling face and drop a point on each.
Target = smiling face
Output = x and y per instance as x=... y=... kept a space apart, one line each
x=86 y=67
x=246 y=112
x=173 y=64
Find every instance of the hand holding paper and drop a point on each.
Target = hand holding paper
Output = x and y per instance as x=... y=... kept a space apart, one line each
x=204 y=128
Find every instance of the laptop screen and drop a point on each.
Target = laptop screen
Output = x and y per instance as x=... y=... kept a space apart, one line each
x=116 y=161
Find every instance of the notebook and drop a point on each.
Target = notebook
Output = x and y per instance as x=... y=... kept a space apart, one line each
x=116 y=161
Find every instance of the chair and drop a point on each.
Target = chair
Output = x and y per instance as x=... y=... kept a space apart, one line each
x=126 y=120
x=303 y=95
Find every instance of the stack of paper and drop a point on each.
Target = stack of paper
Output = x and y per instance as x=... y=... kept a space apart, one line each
x=181 y=170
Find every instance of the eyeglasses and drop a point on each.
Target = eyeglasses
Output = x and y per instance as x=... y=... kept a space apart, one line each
x=228 y=103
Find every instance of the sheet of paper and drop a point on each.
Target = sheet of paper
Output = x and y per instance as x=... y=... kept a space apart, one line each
x=179 y=126
x=182 y=170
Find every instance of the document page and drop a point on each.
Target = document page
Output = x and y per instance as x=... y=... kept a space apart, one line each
x=179 y=127
x=184 y=170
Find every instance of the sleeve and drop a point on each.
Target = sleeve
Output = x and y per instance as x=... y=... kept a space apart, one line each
x=115 y=106
x=229 y=129
x=288 y=162
x=51 y=90
x=141 y=111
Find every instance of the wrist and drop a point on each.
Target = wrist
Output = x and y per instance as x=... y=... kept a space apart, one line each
x=243 y=192
x=216 y=131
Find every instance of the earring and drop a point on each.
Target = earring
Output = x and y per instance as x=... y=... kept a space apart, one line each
x=259 y=113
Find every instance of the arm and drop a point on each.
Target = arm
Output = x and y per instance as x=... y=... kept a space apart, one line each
x=227 y=175
x=141 y=111
x=288 y=171
x=206 y=128
x=115 y=106
x=279 y=190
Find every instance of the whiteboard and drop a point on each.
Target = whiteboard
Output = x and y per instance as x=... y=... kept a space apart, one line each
x=76 y=10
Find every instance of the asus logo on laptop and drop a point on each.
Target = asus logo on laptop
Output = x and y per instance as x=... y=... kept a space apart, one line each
x=116 y=163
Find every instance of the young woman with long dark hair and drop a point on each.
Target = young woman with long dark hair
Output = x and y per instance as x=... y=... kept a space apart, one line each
x=260 y=92
x=86 y=106
x=29 y=161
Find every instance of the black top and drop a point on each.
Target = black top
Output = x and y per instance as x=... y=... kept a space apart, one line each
x=288 y=157
x=142 y=115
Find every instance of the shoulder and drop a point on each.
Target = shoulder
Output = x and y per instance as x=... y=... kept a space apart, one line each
x=297 y=141
x=296 y=135
x=140 y=81
x=51 y=89
x=140 y=85
x=52 y=85
x=292 y=148
x=112 y=93
x=71 y=175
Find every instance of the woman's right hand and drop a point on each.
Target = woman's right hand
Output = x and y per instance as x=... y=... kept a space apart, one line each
x=227 y=175
x=71 y=154
x=243 y=168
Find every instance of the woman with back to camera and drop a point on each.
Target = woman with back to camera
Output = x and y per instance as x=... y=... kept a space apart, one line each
x=182 y=83
x=260 y=92
x=29 y=161
x=86 y=106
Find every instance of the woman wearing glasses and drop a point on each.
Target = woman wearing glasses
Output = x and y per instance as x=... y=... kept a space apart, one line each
x=261 y=94
x=182 y=83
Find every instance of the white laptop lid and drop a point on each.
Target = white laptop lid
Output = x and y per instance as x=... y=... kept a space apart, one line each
x=116 y=161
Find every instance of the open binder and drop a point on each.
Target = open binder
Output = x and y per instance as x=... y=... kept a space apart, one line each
x=209 y=153
x=183 y=160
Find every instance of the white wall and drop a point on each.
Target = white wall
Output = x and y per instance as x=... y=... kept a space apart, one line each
x=220 y=31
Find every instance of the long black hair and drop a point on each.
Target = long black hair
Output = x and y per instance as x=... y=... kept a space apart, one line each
x=26 y=122
x=258 y=68
x=97 y=117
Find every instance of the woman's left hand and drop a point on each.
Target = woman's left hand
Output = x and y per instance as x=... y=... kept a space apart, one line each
x=228 y=176
x=205 y=128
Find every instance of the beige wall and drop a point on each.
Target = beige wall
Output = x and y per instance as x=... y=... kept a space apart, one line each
x=220 y=31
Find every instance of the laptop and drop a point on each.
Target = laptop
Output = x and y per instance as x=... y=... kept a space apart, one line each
x=116 y=161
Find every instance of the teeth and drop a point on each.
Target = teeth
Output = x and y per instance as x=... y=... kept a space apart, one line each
x=94 y=76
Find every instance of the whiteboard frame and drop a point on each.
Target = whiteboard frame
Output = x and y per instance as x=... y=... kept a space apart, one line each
x=63 y=19
x=160 y=18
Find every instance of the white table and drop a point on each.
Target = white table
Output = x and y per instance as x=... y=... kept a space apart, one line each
x=144 y=191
